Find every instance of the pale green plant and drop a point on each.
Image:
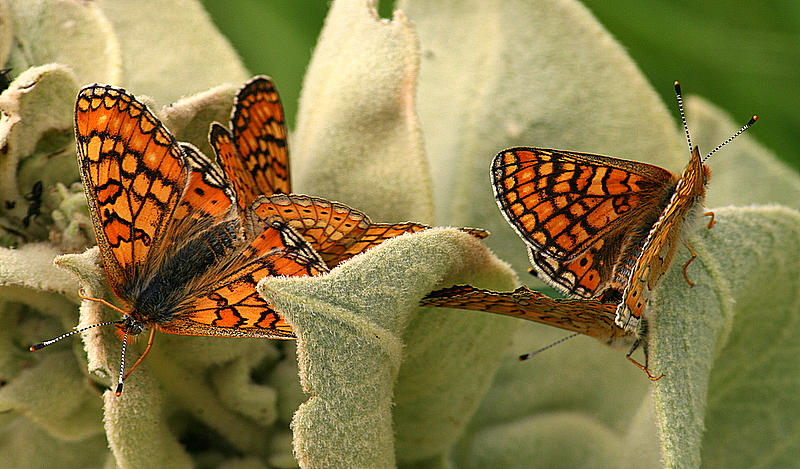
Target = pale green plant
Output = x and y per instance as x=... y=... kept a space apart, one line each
x=399 y=118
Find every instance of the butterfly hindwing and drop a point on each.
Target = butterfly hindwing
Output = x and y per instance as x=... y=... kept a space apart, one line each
x=336 y=231
x=208 y=193
x=253 y=151
x=226 y=302
x=587 y=317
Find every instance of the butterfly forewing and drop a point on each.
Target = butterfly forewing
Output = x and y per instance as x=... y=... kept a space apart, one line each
x=133 y=173
x=259 y=131
x=578 y=212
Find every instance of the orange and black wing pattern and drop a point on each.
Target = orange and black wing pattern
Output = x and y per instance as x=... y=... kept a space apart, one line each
x=587 y=317
x=225 y=301
x=208 y=193
x=336 y=231
x=133 y=173
x=169 y=233
x=253 y=152
x=579 y=213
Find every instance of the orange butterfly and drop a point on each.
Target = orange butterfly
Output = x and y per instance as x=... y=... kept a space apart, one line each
x=600 y=227
x=588 y=317
x=254 y=155
x=176 y=249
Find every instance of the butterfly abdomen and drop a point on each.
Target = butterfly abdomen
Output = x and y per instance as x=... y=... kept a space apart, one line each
x=158 y=299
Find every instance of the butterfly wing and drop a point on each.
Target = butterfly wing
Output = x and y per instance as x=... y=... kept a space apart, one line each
x=586 y=317
x=579 y=213
x=253 y=153
x=336 y=231
x=225 y=302
x=208 y=193
x=133 y=173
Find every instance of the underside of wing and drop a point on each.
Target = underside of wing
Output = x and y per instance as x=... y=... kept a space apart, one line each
x=133 y=173
x=259 y=132
x=253 y=153
x=658 y=249
x=242 y=182
x=587 y=317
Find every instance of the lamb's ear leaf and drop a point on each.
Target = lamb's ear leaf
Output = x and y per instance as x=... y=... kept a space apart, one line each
x=358 y=139
x=76 y=35
x=362 y=341
x=489 y=81
x=726 y=343
x=172 y=53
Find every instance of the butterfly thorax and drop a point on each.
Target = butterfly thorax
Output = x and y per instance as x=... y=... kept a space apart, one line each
x=695 y=177
x=157 y=299
x=658 y=250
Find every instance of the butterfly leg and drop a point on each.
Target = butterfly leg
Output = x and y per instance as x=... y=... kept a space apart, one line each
x=694 y=256
x=99 y=300
x=639 y=365
x=711 y=222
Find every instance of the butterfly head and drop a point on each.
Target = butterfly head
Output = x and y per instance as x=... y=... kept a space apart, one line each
x=127 y=328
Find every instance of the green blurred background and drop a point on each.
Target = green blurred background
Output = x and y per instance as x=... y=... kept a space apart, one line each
x=744 y=57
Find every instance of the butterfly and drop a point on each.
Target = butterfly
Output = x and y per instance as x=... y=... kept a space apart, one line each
x=600 y=227
x=176 y=250
x=254 y=155
x=588 y=317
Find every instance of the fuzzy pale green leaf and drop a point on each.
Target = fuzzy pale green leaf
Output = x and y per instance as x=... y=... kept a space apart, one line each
x=508 y=83
x=490 y=81
x=361 y=342
x=35 y=132
x=189 y=119
x=73 y=33
x=357 y=138
x=739 y=324
x=32 y=266
x=6 y=32
x=170 y=48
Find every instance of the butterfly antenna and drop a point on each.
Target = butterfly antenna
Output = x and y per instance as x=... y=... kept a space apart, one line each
x=144 y=354
x=529 y=355
x=118 y=392
x=44 y=344
x=745 y=127
x=683 y=116
x=686 y=127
